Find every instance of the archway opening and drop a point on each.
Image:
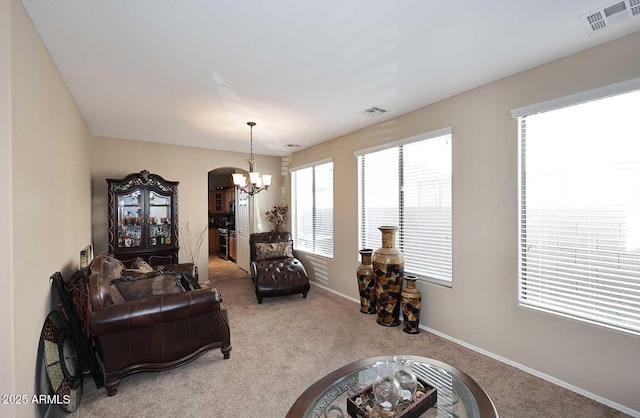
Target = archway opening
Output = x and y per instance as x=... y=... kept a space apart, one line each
x=227 y=220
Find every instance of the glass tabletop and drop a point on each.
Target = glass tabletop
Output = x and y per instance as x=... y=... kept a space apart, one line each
x=458 y=394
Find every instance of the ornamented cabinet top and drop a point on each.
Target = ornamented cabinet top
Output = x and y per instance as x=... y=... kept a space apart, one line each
x=142 y=179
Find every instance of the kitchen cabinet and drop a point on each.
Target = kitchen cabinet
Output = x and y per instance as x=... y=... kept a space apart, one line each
x=212 y=201
x=220 y=200
x=229 y=198
x=143 y=218
x=215 y=201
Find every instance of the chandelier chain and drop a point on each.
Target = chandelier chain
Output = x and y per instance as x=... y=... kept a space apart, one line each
x=251 y=141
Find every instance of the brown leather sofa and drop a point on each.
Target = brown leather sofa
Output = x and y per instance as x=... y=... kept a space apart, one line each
x=151 y=322
x=274 y=269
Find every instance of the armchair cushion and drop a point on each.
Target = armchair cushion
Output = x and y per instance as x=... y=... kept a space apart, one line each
x=283 y=276
x=271 y=250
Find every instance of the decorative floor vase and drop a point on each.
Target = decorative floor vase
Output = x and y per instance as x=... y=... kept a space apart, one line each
x=388 y=267
x=367 y=283
x=411 y=299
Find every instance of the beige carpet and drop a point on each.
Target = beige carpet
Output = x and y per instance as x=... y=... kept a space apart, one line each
x=285 y=344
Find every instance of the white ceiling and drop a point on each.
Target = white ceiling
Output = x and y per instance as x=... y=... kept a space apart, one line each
x=193 y=72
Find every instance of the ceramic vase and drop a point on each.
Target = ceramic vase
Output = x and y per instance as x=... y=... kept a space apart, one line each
x=411 y=300
x=388 y=267
x=366 y=283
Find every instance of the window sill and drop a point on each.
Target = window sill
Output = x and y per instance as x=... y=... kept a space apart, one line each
x=431 y=280
x=309 y=253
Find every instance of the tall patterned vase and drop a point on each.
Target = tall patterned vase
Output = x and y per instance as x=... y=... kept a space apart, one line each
x=366 y=283
x=411 y=299
x=388 y=266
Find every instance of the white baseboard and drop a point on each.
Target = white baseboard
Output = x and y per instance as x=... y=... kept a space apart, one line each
x=517 y=365
x=537 y=373
x=334 y=292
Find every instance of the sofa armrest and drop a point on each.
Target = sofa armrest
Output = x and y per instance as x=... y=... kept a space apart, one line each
x=186 y=268
x=154 y=310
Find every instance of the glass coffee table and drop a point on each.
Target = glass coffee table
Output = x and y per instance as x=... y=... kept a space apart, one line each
x=458 y=394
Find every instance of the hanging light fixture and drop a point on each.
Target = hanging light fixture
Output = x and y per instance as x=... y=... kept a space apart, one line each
x=257 y=182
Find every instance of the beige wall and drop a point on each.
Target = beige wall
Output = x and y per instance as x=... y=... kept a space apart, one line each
x=115 y=158
x=481 y=309
x=7 y=352
x=51 y=155
x=50 y=176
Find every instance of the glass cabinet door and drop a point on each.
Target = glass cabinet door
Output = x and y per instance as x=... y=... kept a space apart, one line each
x=130 y=219
x=159 y=219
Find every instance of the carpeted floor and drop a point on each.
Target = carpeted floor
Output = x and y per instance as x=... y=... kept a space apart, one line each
x=285 y=344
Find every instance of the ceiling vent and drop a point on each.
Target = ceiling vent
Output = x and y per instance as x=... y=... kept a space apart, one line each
x=610 y=15
x=377 y=111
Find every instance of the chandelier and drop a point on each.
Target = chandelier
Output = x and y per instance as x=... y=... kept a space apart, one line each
x=257 y=182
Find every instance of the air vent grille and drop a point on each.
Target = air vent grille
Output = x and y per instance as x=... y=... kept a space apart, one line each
x=375 y=111
x=596 y=21
x=615 y=9
x=610 y=14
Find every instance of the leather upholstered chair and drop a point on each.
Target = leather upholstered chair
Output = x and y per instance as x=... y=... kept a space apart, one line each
x=274 y=269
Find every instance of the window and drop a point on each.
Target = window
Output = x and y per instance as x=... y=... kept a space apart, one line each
x=312 y=197
x=579 y=234
x=409 y=186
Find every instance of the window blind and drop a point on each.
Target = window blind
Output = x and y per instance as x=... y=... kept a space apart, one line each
x=426 y=216
x=379 y=195
x=312 y=201
x=580 y=211
x=409 y=186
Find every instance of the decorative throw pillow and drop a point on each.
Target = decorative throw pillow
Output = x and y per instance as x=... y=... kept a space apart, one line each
x=141 y=265
x=269 y=250
x=140 y=287
x=112 y=267
x=187 y=283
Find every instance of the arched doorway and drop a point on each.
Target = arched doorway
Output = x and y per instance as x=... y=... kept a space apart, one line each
x=229 y=218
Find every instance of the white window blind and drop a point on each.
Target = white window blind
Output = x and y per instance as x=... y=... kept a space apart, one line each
x=580 y=211
x=379 y=195
x=312 y=202
x=409 y=186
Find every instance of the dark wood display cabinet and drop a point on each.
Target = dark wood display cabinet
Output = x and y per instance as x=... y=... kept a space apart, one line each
x=143 y=218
